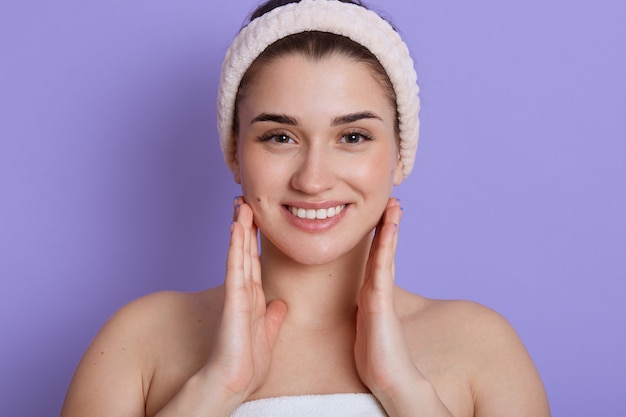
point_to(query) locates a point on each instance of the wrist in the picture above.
(214, 383)
(407, 399)
(203, 395)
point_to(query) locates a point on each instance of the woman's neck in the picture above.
(317, 296)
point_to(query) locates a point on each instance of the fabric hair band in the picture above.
(361, 25)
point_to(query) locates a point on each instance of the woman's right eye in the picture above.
(277, 138)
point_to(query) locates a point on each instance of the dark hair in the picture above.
(314, 45)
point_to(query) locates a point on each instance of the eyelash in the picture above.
(269, 136)
(274, 135)
(359, 133)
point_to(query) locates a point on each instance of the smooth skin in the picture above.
(317, 311)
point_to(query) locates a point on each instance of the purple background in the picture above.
(112, 185)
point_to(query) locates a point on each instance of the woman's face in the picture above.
(317, 155)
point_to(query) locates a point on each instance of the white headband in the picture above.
(352, 21)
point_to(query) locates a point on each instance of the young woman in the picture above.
(318, 121)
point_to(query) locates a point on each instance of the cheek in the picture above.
(384, 167)
(257, 181)
(250, 166)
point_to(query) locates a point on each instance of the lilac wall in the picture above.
(112, 185)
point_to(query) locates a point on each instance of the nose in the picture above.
(315, 170)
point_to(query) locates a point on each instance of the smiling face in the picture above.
(317, 154)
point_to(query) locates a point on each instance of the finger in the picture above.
(236, 203)
(234, 260)
(392, 202)
(245, 219)
(395, 238)
(235, 264)
(254, 254)
(383, 268)
(393, 214)
(388, 215)
(251, 246)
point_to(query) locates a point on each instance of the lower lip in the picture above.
(314, 225)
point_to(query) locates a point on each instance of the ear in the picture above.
(398, 175)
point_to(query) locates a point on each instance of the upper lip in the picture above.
(315, 205)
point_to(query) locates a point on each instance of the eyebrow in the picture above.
(337, 121)
(353, 117)
(278, 118)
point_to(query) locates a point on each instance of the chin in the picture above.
(316, 252)
(312, 258)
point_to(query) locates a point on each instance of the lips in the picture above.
(316, 214)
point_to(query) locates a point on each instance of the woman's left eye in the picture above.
(354, 137)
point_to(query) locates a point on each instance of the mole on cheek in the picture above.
(258, 199)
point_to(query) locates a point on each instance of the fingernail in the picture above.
(232, 224)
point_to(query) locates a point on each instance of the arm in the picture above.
(505, 379)
(109, 379)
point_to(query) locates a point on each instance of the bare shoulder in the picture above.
(476, 329)
(469, 323)
(469, 333)
(129, 358)
(154, 313)
(455, 340)
(159, 318)
(466, 320)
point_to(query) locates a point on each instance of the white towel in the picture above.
(329, 405)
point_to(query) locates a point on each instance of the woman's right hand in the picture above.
(241, 352)
(241, 355)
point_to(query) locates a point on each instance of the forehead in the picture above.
(334, 83)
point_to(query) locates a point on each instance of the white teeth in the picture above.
(319, 214)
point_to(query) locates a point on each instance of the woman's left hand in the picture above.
(380, 350)
(381, 353)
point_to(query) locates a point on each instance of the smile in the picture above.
(316, 214)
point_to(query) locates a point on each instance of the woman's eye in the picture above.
(282, 138)
(354, 137)
(277, 138)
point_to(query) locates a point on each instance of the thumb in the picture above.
(275, 313)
